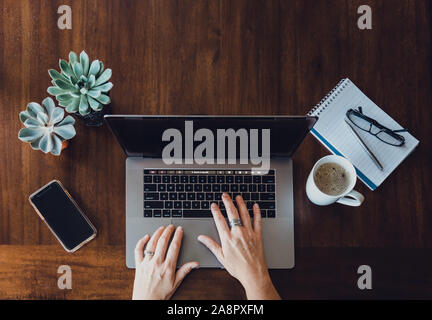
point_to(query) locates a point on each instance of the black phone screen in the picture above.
(61, 214)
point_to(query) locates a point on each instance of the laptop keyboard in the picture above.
(189, 193)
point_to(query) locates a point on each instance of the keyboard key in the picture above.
(207, 187)
(229, 179)
(252, 188)
(268, 179)
(254, 196)
(209, 196)
(168, 204)
(184, 179)
(270, 188)
(173, 196)
(147, 213)
(211, 179)
(205, 205)
(200, 196)
(156, 179)
(220, 179)
(179, 187)
(218, 196)
(267, 196)
(247, 179)
(151, 196)
(157, 213)
(186, 204)
(256, 179)
(177, 204)
(267, 205)
(202, 179)
(196, 205)
(271, 213)
(148, 179)
(238, 179)
(261, 188)
(182, 196)
(153, 204)
(188, 187)
(175, 179)
(176, 213)
(263, 213)
(163, 196)
(225, 187)
(234, 188)
(197, 214)
(246, 196)
(191, 196)
(166, 179)
(243, 188)
(166, 213)
(149, 187)
(193, 179)
(216, 187)
(249, 204)
(198, 187)
(170, 187)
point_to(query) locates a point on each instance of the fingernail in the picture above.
(256, 205)
(196, 266)
(213, 205)
(225, 194)
(179, 228)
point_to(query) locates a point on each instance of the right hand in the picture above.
(241, 251)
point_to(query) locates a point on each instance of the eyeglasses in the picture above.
(375, 128)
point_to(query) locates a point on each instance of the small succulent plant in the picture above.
(46, 128)
(81, 86)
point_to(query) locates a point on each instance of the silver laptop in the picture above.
(177, 166)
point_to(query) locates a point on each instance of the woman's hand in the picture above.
(155, 275)
(241, 251)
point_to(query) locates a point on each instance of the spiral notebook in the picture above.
(332, 131)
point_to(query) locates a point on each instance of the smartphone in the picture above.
(64, 218)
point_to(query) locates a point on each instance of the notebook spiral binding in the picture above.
(320, 107)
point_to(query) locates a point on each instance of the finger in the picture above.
(183, 271)
(151, 245)
(220, 222)
(174, 247)
(162, 244)
(230, 208)
(257, 218)
(244, 213)
(213, 246)
(139, 248)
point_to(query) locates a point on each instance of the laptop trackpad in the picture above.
(192, 249)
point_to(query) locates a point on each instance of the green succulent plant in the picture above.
(81, 86)
(46, 127)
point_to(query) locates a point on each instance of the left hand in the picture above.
(155, 275)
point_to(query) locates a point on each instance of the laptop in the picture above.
(177, 166)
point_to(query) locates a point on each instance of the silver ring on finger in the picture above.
(235, 223)
(148, 253)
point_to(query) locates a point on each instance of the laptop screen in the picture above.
(147, 136)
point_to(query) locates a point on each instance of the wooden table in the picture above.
(219, 57)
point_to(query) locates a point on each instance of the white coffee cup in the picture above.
(349, 197)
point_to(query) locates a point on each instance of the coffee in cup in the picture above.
(332, 179)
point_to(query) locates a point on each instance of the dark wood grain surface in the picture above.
(219, 57)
